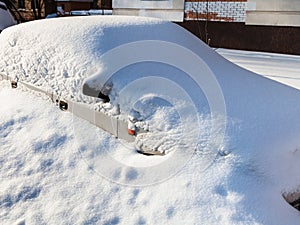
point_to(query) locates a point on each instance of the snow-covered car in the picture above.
(6, 19)
(219, 168)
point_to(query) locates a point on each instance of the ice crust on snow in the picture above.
(49, 159)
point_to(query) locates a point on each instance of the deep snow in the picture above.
(50, 170)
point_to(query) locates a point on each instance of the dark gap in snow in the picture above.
(296, 204)
(293, 198)
(104, 97)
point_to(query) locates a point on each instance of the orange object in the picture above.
(131, 132)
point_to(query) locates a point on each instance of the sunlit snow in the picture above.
(55, 168)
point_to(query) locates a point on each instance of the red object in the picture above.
(131, 132)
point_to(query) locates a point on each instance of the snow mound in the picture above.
(60, 57)
(57, 54)
(245, 129)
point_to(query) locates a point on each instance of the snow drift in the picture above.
(237, 175)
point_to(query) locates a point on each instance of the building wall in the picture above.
(172, 10)
(253, 12)
(225, 10)
(275, 12)
(280, 39)
(238, 24)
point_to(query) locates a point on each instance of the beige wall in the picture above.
(172, 10)
(273, 12)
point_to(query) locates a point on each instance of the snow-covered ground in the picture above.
(51, 163)
(282, 68)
